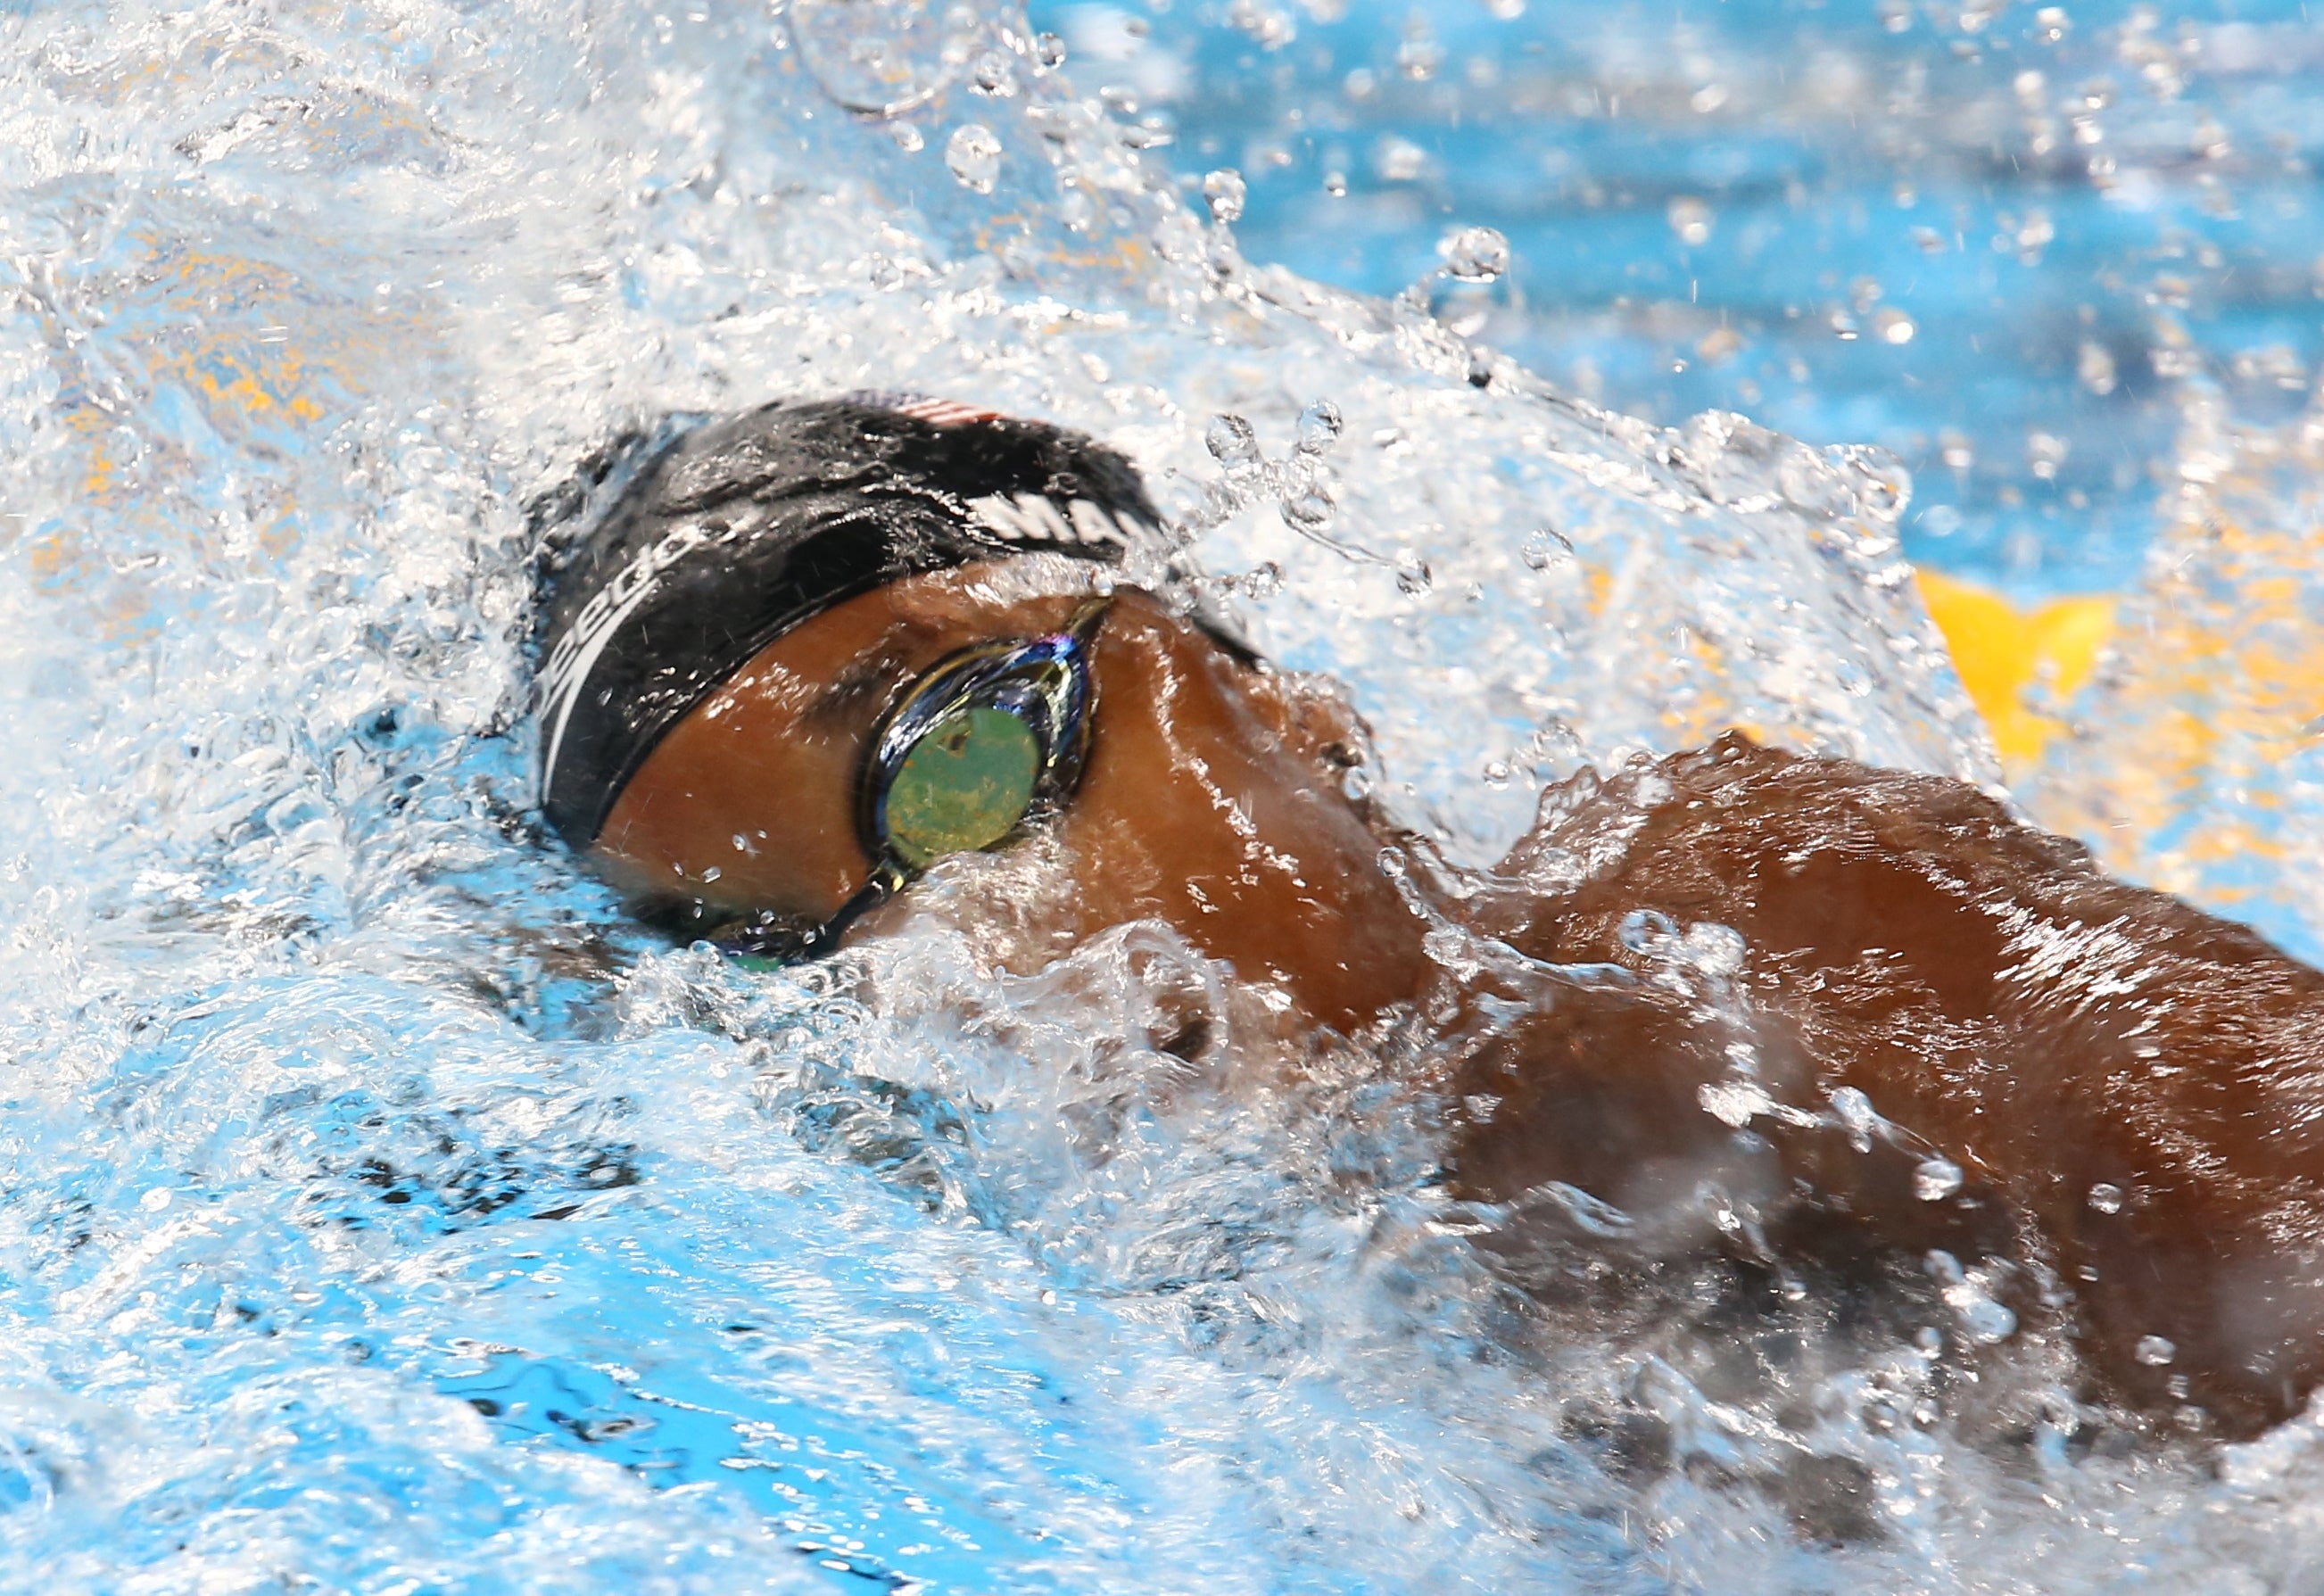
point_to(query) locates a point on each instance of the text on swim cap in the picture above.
(1034, 517)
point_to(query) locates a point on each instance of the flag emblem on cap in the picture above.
(936, 412)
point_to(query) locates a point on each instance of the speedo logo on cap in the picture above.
(1035, 518)
(577, 653)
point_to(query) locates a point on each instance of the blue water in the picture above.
(379, 1210)
(2054, 205)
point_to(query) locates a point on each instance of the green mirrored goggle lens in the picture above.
(964, 786)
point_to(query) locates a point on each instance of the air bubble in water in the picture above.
(994, 74)
(1225, 190)
(1936, 1179)
(1319, 428)
(1412, 574)
(1475, 254)
(1049, 51)
(1546, 547)
(1231, 441)
(973, 153)
(2106, 1197)
(2155, 1350)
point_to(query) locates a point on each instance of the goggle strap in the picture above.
(776, 948)
(887, 879)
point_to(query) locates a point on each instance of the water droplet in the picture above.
(882, 57)
(1231, 441)
(1986, 1321)
(1689, 218)
(713, 874)
(1311, 511)
(1420, 56)
(1412, 574)
(1714, 950)
(1265, 582)
(1647, 930)
(1049, 51)
(994, 74)
(1447, 947)
(2155, 1351)
(1894, 326)
(2093, 368)
(1225, 190)
(973, 153)
(1498, 772)
(1733, 1103)
(1319, 428)
(1399, 161)
(1335, 184)
(2106, 1197)
(1719, 343)
(1475, 254)
(1546, 547)
(2046, 452)
(1936, 1179)
(909, 139)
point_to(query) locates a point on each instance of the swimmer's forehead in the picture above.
(907, 620)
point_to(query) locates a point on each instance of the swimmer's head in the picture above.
(748, 528)
(820, 650)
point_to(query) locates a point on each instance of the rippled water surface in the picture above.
(382, 1211)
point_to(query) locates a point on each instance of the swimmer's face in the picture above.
(1211, 797)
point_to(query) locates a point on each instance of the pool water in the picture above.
(2002, 241)
(381, 1211)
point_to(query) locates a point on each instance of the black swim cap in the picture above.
(748, 527)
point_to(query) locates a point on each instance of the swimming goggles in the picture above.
(980, 746)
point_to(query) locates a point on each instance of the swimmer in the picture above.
(1805, 1012)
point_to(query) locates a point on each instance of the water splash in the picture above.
(387, 1209)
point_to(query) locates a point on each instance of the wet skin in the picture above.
(2001, 1005)
(1210, 800)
